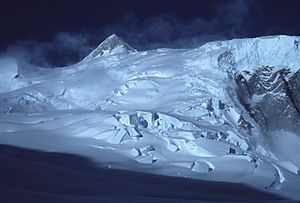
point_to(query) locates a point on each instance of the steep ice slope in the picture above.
(189, 113)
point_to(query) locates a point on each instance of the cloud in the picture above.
(64, 49)
(230, 19)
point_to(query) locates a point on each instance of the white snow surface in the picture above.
(166, 111)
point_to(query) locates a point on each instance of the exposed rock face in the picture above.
(112, 44)
(294, 86)
(272, 96)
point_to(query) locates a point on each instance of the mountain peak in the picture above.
(112, 44)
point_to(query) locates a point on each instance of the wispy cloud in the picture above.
(230, 20)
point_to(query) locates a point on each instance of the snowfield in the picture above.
(175, 112)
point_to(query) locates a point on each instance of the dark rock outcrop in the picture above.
(108, 45)
(272, 97)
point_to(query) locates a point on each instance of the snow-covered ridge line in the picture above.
(252, 53)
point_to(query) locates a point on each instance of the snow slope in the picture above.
(177, 112)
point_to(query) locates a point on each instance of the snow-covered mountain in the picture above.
(113, 44)
(226, 111)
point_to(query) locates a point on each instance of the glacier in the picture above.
(225, 111)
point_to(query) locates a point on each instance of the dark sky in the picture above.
(61, 32)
